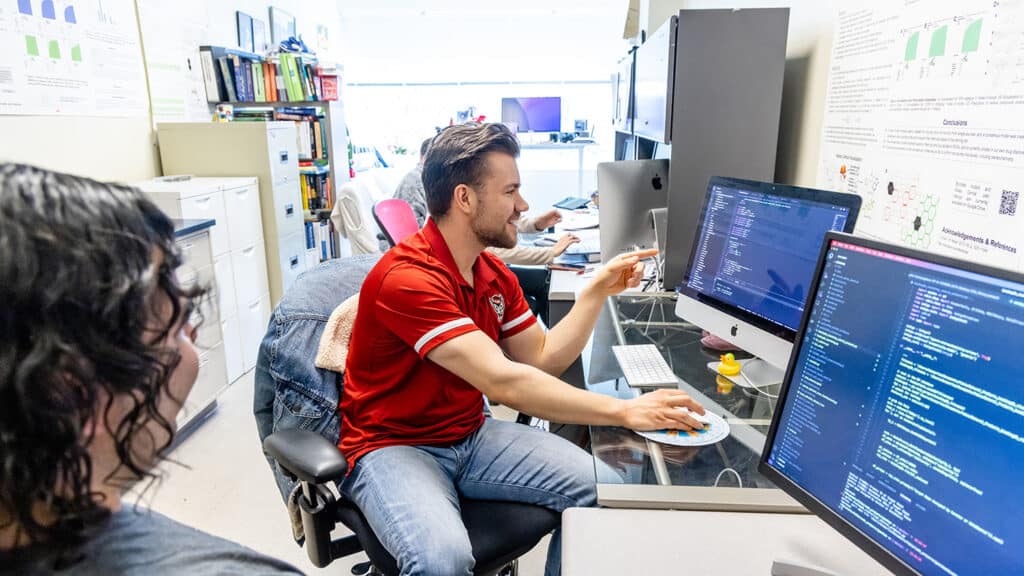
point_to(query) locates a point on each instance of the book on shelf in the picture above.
(218, 78)
(231, 75)
(316, 187)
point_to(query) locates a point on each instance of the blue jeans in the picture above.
(410, 494)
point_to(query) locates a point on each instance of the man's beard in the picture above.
(491, 238)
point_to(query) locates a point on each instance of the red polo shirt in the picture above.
(412, 301)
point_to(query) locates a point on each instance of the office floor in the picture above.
(218, 481)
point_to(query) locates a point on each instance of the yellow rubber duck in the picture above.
(728, 366)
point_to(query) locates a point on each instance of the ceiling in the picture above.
(406, 41)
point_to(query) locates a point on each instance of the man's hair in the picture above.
(456, 156)
(83, 265)
(425, 146)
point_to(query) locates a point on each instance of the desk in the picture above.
(597, 542)
(721, 477)
(567, 146)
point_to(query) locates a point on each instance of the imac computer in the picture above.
(752, 263)
(629, 190)
(901, 418)
(543, 114)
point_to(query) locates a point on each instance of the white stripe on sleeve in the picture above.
(513, 323)
(440, 330)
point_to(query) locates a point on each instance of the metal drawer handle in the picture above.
(289, 209)
(294, 261)
(284, 155)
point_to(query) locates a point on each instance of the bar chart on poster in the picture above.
(73, 57)
(924, 119)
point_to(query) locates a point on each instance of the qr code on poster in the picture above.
(1008, 205)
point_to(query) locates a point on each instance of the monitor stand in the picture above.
(786, 568)
(755, 374)
(761, 375)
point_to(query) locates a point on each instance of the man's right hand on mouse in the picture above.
(659, 410)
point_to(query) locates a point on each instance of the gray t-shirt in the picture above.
(140, 541)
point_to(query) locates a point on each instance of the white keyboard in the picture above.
(644, 367)
(584, 247)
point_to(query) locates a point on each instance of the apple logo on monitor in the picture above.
(656, 182)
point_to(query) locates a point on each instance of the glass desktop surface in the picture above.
(732, 463)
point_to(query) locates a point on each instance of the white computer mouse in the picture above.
(703, 418)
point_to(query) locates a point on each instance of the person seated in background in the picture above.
(441, 323)
(410, 188)
(96, 358)
(534, 281)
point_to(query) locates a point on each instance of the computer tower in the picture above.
(726, 104)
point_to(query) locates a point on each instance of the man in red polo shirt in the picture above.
(441, 323)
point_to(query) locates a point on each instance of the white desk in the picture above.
(607, 541)
(567, 146)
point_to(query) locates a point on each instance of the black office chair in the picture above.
(296, 409)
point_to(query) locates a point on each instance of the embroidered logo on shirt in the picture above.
(498, 303)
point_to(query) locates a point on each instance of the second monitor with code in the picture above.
(752, 263)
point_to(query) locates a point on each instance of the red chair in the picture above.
(396, 219)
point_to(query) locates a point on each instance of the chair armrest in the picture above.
(307, 455)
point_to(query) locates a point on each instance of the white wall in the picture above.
(124, 149)
(481, 40)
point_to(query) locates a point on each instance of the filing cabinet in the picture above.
(238, 262)
(266, 150)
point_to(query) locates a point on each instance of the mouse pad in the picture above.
(714, 431)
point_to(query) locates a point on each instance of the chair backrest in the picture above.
(290, 391)
(352, 217)
(396, 218)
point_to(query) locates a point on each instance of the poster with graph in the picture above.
(924, 119)
(73, 57)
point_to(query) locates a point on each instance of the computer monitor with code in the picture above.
(752, 264)
(901, 417)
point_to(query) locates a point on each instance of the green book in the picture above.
(257, 82)
(295, 92)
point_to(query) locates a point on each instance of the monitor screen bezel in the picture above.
(851, 202)
(808, 500)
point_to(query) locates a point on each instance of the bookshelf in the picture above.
(332, 156)
(295, 88)
(323, 164)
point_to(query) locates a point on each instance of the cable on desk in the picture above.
(734, 473)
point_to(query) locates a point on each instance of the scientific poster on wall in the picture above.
(172, 32)
(73, 57)
(924, 119)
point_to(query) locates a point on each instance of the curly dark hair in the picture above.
(456, 156)
(83, 265)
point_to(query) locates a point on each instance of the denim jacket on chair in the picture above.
(290, 391)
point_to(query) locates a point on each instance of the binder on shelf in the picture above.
(293, 82)
(227, 78)
(282, 94)
(212, 81)
(324, 233)
(257, 73)
(250, 86)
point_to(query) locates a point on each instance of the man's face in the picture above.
(499, 203)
